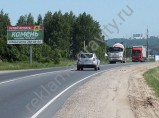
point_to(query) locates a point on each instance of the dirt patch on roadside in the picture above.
(143, 102)
(119, 93)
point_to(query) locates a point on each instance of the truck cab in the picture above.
(138, 53)
(116, 53)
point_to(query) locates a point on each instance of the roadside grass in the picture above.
(103, 62)
(37, 65)
(152, 79)
(128, 59)
(34, 65)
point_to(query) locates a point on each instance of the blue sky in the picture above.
(145, 13)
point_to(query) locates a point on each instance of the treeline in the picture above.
(64, 37)
(153, 42)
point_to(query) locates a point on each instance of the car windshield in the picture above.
(86, 55)
(115, 49)
(136, 52)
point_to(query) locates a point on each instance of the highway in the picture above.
(41, 93)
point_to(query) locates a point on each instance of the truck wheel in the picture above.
(81, 68)
(78, 68)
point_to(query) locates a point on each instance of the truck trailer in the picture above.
(138, 53)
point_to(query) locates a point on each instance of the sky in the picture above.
(117, 18)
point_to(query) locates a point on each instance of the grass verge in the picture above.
(152, 79)
(34, 65)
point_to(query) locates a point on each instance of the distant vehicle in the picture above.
(138, 53)
(88, 60)
(116, 53)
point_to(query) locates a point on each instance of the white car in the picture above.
(88, 60)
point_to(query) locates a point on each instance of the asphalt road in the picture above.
(40, 93)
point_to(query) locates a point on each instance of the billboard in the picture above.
(25, 34)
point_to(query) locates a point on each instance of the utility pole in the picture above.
(105, 43)
(125, 52)
(147, 36)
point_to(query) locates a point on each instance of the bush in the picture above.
(57, 56)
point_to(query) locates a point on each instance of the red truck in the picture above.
(138, 53)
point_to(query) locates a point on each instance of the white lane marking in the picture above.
(50, 102)
(20, 78)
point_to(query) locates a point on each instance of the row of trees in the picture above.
(64, 37)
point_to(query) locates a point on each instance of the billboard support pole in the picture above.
(31, 54)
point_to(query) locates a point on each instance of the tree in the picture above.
(5, 21)
(22, 20)
(30, 19)
(40, 20)
(70, 20)
(48, 27)
(59, 28)
(57, 56)
(87, 30)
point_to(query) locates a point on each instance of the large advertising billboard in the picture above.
(25, 34)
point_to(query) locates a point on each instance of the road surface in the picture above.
(41, 93)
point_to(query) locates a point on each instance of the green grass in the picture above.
(34, 65)
(152, 79)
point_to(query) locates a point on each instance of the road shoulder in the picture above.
(118, 93)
